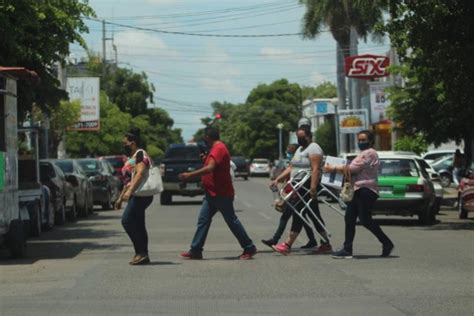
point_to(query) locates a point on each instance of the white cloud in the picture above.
(161, 2)
(286, 55)
(139, 43)
(317, 78)
(221, 85)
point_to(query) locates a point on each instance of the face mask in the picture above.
(302, 142)
(131, 161)
(127, 149)
(289, 156)
(363, 146)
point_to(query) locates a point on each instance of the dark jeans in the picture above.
(361, 206)
(133, 220)
(282, 225)
(210, 206)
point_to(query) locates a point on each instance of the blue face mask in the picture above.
(289, 156)
(363, 146)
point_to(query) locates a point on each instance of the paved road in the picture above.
(82, 268)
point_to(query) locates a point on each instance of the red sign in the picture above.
(366, 66)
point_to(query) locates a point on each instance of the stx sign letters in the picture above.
(366, 66)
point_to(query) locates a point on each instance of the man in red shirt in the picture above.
(219, 196)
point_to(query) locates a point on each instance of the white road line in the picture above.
(264, 215)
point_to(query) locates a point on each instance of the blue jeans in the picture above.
(133, 220)
(210, 206)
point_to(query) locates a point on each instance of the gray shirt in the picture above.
(301, 160)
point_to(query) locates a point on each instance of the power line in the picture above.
(194, 34)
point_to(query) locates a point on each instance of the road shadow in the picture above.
(45, 250)
(467, 224)
(365, 257)
(160, 263)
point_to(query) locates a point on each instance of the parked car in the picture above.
(81, 186)
(260, 167)
(242, 169)
(444, 166)
(47, 214)
(117, 163)
(62, 195)
(105, 185)
(180, 158)
(435, 179)
(433, 155)
(278, 168)
(466, 194)
(404, 188)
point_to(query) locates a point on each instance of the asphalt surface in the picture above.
(82, 268)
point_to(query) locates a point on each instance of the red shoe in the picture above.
(282, 248)
(190, 256)
(248, 254)
(323, 249)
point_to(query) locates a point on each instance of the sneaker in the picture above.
(248, 254)
(282, 248)
(268, 242)
(309, 245)
(140, 260)
(387, 250)
(342, 254)
(190, 256)
(323, 249)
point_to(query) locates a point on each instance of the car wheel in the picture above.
(165, 198)
(50, 223)
(35, 221)
(84, 210)
(107, 205)
(246, 178)
(427, 216)
(60, 216)
(17, 239)
(445, 180)
(72, 214)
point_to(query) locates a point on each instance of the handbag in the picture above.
(151, 184)
(347, 192)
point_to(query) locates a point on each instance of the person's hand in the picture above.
(184, 176)
(126, 196)
(274, 183)
(313, 191)
(203, 156)
(118, 204)
(328, 168)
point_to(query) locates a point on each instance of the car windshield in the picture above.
(239, 160)
(443, 162)
(115, 162)
(66, 166)
(89, 165)
(186, 153)
(398, 167)
(260, 161)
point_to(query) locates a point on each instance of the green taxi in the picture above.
(405, 188)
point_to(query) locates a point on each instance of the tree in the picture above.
(435, 41)
(37, 34)
(325, 136)
(326, 90)
(416, 144)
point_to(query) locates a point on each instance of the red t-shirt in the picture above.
(218, 182)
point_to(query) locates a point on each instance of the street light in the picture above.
(280, 127)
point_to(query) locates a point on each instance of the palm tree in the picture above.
(342, 17)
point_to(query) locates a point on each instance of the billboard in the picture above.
(366, 66)
(378, 102)
(352, 121)
(87, 91)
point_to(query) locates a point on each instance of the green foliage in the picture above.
(416, 144)
(325, 90)
(326, 138)
(435, 42)
(37, 34)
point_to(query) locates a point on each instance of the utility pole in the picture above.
(104, 58)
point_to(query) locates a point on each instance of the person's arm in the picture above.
(209, 168)
(315, 164)
(282, 177)
(136, 180)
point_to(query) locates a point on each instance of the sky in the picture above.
(190, 72)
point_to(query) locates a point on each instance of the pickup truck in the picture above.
(180, 158)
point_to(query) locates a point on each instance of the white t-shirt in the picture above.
(301, 159)
(233, 167)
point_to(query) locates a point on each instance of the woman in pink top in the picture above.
(364, 170)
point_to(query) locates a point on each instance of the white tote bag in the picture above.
(151, 183)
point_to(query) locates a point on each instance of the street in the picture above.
(82, 268)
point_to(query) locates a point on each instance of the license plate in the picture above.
(386, 190)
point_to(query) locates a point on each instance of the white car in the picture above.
(260, 167)
(433, 155)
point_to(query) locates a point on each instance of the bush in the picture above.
(416, 143)
(326, 138)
